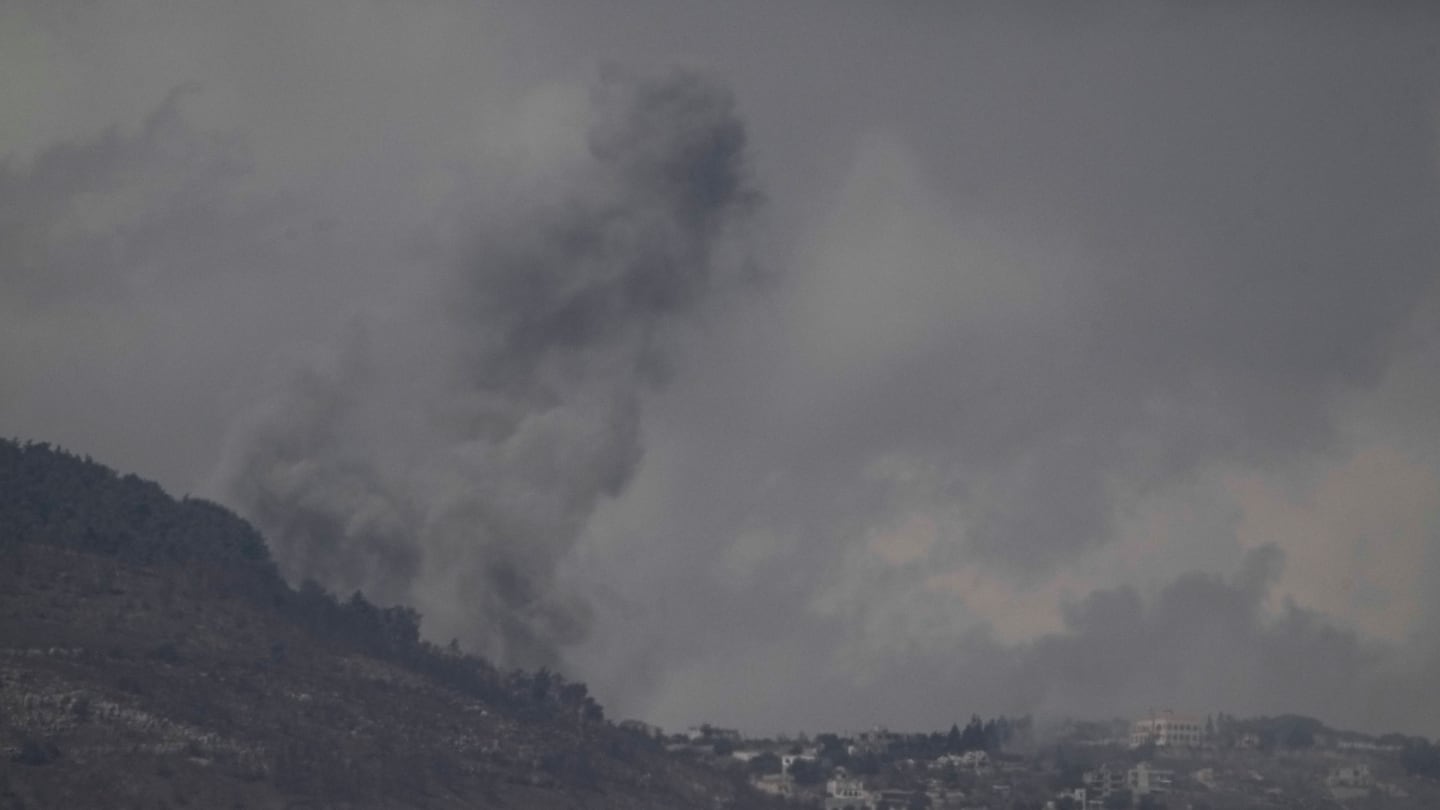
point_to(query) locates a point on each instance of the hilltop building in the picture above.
(642, 728)
(1168, 730)
(709, 733)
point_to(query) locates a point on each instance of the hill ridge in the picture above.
(152, 655)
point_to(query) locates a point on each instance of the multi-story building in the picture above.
(1105, 780)
(1144, 779)
(1141, 780)
(844, 793)
(1168, 730)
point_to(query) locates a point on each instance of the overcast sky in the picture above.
(788, 366)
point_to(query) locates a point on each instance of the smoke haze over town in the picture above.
(786, 366)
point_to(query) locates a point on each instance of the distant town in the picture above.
(1166, 759)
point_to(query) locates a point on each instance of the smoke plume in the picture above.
(453, 465)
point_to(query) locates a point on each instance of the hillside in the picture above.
(151, 656)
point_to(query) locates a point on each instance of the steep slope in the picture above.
(151, 656)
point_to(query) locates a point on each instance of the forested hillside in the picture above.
(151, 655)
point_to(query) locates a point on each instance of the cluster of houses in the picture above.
(846, 791)
(1101, 783)
(882, 770)
(1175, 731)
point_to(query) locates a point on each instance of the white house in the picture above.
(978, 760)
(845, 793)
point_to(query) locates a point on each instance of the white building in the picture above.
(1141, 780)
(1351, 776)
(776, 784)
(1105, 780)
(1144, 779)
(786, 760)
(977, 760)
(844, 793)
(1368, 745)
(709, 733)
(1168, 730)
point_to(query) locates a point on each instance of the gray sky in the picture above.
(783, 366)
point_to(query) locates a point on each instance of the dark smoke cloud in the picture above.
(460, 476)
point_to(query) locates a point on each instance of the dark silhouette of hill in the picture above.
(152, 656)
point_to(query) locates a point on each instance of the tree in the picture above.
(1421, 758)
(866, 764)
(766, 763)
(833, 749)
(35, 752)
(973, 737)
(573, 695)
(400, 626)
(991, 734)
(1298, 736)
(806, 772)
(1119, 800)
(540, 684)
